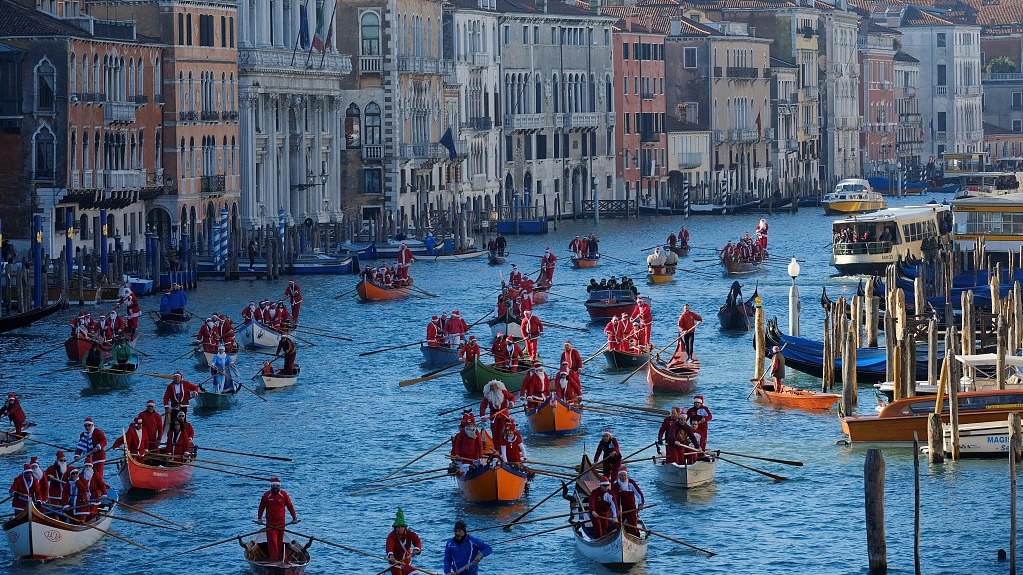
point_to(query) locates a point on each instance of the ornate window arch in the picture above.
(44, 153)
(373, 135)
(369, 29)
(45, 86)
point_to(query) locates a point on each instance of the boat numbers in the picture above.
(53, 535)
(1004, 406)
(160, 474)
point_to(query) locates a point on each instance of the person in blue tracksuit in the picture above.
(463, 552)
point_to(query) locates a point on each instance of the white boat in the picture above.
(295, 561)
(255, 335)
(892, 233)
(503, 326)
(616, 550)
(203, 358)
(993, 218)
(686, 476)
(987, 439)
(9, 445)
(278, 381)
(853, 196)
(32, 536)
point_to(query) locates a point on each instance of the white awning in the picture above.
(988, 359)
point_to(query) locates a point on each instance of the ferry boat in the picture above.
(998, 219)
(853, 196)
(890, 233)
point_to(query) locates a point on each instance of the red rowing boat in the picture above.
(553, 416)
(135, 474)
(676, 376)
(77, 347)
(369, 291)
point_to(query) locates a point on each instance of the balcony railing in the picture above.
(372, 152)
(647, 95)
(119, 113)
(967, 91)
(649, 137)
(209, 116)
(651, 171)
(232, 115)
(158, 99)
(284, 59)
(87, 180)
(371, 64)
(524, 121)
(479, 182)
(141, 99)
(214, 184)
(481, 60)
(187, 116)
(478, 124)
(720, 137)
(412, 65)
(76, 179)
(847, 122)
(941, 90)
(742, 72)
(812, 130)
(941, 136)
(975, 135)
(116, 180)
(689, 160)
(423, 151)
(910, 91)
(768, 133)
(584, 120)
(741, 136)
(810, 93)
(790, 145)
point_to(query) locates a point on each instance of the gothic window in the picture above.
(370, 24)
(373, 137)
(353, 137)
(46, 77)
(73, 73)
(44, 152)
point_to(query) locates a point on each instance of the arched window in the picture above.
(44, 151)
(73, 75)
(97, 86)
(73, 151)
(46, 78)
(538, 106)
(373, 136)
(140, 87)
(83, 227)
(353, 137)
(370, 28)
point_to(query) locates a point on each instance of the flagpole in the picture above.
(312, 41)
(330, 32)
(298, 39)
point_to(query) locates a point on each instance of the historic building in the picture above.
(909, 138)
(878, 139)
(840, 78)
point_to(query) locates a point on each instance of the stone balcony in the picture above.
(525, 121)
(583, 120)
(119, 113)
(371, 64)
(286, 60)
(115, 180)
(689, 160)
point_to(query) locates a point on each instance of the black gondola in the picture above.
(19, 320)
(171, 323)
(735, 314)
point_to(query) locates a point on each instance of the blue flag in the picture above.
(448, 141)
(303, 27)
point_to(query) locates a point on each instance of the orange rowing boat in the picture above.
(370, 291)
(498, 485)
(798, 398)
(553, 415)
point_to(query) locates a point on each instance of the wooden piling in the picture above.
(968, 337)
(872, 305)
(932, 352)
(916, 505)
(919, 309)
(857, 320)
(827, 363)
(1000, 343)
(908, 343)
(873, 503)
(1014, 448)
(953, 396)
(889, 346)
(849, 391)
(935, 438)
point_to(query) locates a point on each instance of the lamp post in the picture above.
(793, 270)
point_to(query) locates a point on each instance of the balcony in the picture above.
(767, 73)
(373, 153)
(768, 134)
(847, 122)
(232, 115)
(941, 136)
(119, 180)
(812, 130)
(742, 136)
(689, 160)
(720, 137)
(807, 31)
(481, 60)
(141, 99)
(910, 91)
(371, 64)
(525, 121)
(275, 59)
(649, 137)
(974, 136)
(783, 108)
(967, 91)
(410, 65)
(584, 120)
(909, 117)
(482, 124)
(809, 93)
(479, 182)
(119, 113)
(187, 116)
(158, 99)
(76, 180)
(941, 90)
(87, 180)
(788, 145)
(209, 116)
(213, 186)
(743, 73)
(423, 151)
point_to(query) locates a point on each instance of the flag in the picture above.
(330, 33)
(303, 27)
(321, 33)
(448, 141)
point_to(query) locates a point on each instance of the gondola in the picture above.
(620, 359)
(142, 476)
(438, 355)
(371, 291)
(616, 550)
(296, 556)
(553, 416)
(735, 314)
(675, 376)
(203, 357)
(169, 324)
(34, 536)
(607, 303)
(476, 375)
(20, 320)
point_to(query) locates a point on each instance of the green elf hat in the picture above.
(399, 519)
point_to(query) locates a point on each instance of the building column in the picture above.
(262, 23)
(289, 171)
(278, 23)
(247, 141)
(333, 113)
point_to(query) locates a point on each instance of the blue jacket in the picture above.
(458, 555)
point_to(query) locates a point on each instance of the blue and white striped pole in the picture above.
(37, 260)
(282, 218)
(216, 245)
(224, 232)
(69, 246)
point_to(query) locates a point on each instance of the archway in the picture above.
(158, 221)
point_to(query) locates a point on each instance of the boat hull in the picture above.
(798, 398)
(214, 401)
(297, 557)
(625, 360)
(671, 378)
(476, 375)
(369, 291)
(76, 348)
(493, 485)
(19, 320)
(685, 476)
(605, 304)
(741, 267)
(140, 476)
(34, 537)
(11, 447)
(842, 207)
(554, 416)
(107, 378)
(980, 439)
(617, 550)
(505, 325)
(436, 356)
(585, 262)
(277, 381)
(495, 260)
(255, 335)
(661, 278)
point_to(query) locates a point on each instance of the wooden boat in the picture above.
(741, 266)
(618, 359)
(278, 380)
(369, 291)
(76, 348)
(170, 323)
(541, 294)
(553, 416)
(110, 377)
(296, 556)
(438, 355)
(20, 320)
(616, 550)
(136, 474)
(255, 335)
(675, 376)
(990, 439)
(899, 420)
(476, 376)
(798, 398)
(495, 259)
(32, 536)
(735, 314)
(466, 255)
(605, 303)
(508, 325)
(686, 476)
(203, 358)
(660, 274)
(853, 196)
(486, 485)
(585, 262)
(209, 400)
(680, 251)
(10, 443)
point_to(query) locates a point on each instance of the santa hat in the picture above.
(34, 460)
(435, 318)
(537, 364)
(564, 363)
(27, 468)
(151, 402)
(607, 431)
(178, 373)
(10, 395)
(88, 461)
(72, 471)
(604, 480)
(568, 341)
(513, 265)
(291, 281)
(527, 312)
(698, 398)
(472, 338)
(622, 470)
(468, 419)
(139, 420)
(547, 250)
(88, 421)
(275, 481)
(499, 334)
(454, 313)
(60, 454)
(252, 302)
(399, 519)
(775, 349)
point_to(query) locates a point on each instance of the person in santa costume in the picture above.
(499, 349)
(77, 504)
(135, 440)
(547, 263)
(467, 444)
(55, 481)
(12, 409)
(532, 329)
(609, 454)
(514, 352)
(274, 503)
(514, 276)
(612, 331)
(645, 317)
(434, 333)
(177, 395)
(470, 351)
(571, 356)
(97, 487)
(630, 500)
(510, 445)
(455, 328)
(567, 387)
(25, 488)
(699, 416)
(294, 295)
(499, 402)
(535, 385)
(287, 347)
(152, 422)
(92, 443)
(402, 545)
(404, 261)
(603, 509)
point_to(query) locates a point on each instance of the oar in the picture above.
(341, 295)
(37, 356)
(207, 546)
(490, 313)
(572, 467)
(248, 389)
(618, 260)
(319, 334)
(526, 255)
(74, 521)
(210, 461)
(680, 542)
(274, 457)
(565, 526)
(599, 351)
(365, 353)
(443, 413)
(28, 438)
(68, 368)
(139, 351)
(407, 475)
(352, 549)
(558, 474)
(149, 513)
(549, 324)
(431, 375)
(146, 523)
(635, 407)
(399, 484)
(652, 356)
(756, 385)
(771, 459)
(422, 291)
(760, 471)
(235, 473)
(626, 414)
(422, 455)
(187, 353)
(302, 339)
(159, 375)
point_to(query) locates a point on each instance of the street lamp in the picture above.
(793, 270)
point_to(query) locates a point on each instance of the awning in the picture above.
(988, 359)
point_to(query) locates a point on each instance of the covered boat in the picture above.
(438, 355)
(585, 262)
(867, 244)
(798, 398)
(33, 536)
(18, 320)
(136, 474)
(476, 375)
(554, 416)
(618, 549)
(256, 335)
(620, 359)
(853, 196)
(686, 476)
(371, 291)
(170, 323)
(607, 303)
(675, 376)
(296, 556)
(735, 314)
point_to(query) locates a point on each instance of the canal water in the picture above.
(348, 422)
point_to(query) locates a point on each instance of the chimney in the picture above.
(676, 28)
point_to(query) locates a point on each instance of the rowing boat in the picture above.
(76, 347)
(438, 355)
(616, 550)
(370, 291)
(661, 274)
(296, 556)
(138, 475)
(585, 262)
(553, 416)
(676, 376)
(203, 357)
(687, 476)
(210, 400)
(256, 335)
(621, 359)
(25, 319)
(605, 303)
(507, 324)
(11, 443)
(109, 376)
(500, 484)
(476, 375)
(279, 380)
(32, 536)
(170, 323)
(798, 398)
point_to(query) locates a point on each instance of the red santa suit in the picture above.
(178, 443)
(613, 331)
(294, 294)
(467, 444)
(455, 328)
(567, 387)
(642, 313)
(24, 488)
(400, 548)
(12, 409)
(274, 504)
(532, 329)
(535, 384)
(434, 333)
(249, 312)
(55, 481)
(470, 351)
(603, 508)
(404, 260)
(93, 444)
(282, 320)
(132, 315)
(514, 352)
(77, 504)
(514, 277)
(207, 336)
(699, 415)
(547, 263)
(178, 394)
(511, 448)
(499, 402)
(152, 423)
(761, 233)
(136, 441)
(499, 349)
(630, 499)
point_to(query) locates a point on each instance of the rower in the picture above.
(402, 545)
(466, 445)
(603, 508)
(499, 401)
(294, 294)
(12, 409)
(275, 502)
(25, 488)
(287, 347)
(532, 329)
(630, 500)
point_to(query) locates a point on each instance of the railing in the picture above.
(790, 145)
(209, 116)
(481, 124)
(187, 116)
(232, 115)
(768, 133)
(481, 60)
(525, 121)
(737, 135)
(742, 72)
(648, 171)
(847, 122)
(974, 135)
(807, 31)
(861, 248)
(213, 184)
(767, 72)
(75, 179)
(278, 59)
(967, 91)
(114, 180)
(373, 152)
(910, 91)
(810, 93)
(119, 113)
(141, 99)
(812, 130)
(158, 99)
(610, 119)
(157, 178)
(371, 64)
(584, 120)
(689, 160)
(646, 95)
(941, 136)
(479, 182)
(941, 90)
(720, 137)
(1004, 76)
(423, 151)
(419, 65)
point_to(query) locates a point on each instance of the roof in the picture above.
(554, 8)
(1001, 200)
(914, 16)
(996, 130)
(777, 63)
(901, 56)
(870, 27)
(19, 21)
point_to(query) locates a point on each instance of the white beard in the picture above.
(470, 433)
(623, 485)
(495, 397)
(38, 473)
(62, 467)
(88, 473)
(222, 355)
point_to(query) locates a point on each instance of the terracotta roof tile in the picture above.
(17, 20)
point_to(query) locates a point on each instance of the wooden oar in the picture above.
(74, 521)
(599, 351)
(68, 368)
(680, 542)
(558, 474)
(565, 526)
(618, 260)
(548, 518)
(431, 375)
(652, 356)
(302, 339)
(211, 462)
(207, 546)
(139, 351)
(352, 549)
(146, 523)
(399, 484)
(549, 324)
(37, 356)
(744, 466)
(341, 295)
(420, 456)
(248, 389)
(274, 457)
(235, 473)
(572, 467)
(151, 514)
(365, 353)
(29, 438)
(635, 407)
(473, 404)
(319, 334)
(490, 313)
(756, 385)
(407, 475)
(620, 413)
(771, 459)
(159, 375)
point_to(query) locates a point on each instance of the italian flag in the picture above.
(322, 38)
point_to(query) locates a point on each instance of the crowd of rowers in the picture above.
(394, 275)
(68, 493)
(585, 247)
(612, 283)
(105, 328)
(631, 332)
(748, 248)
